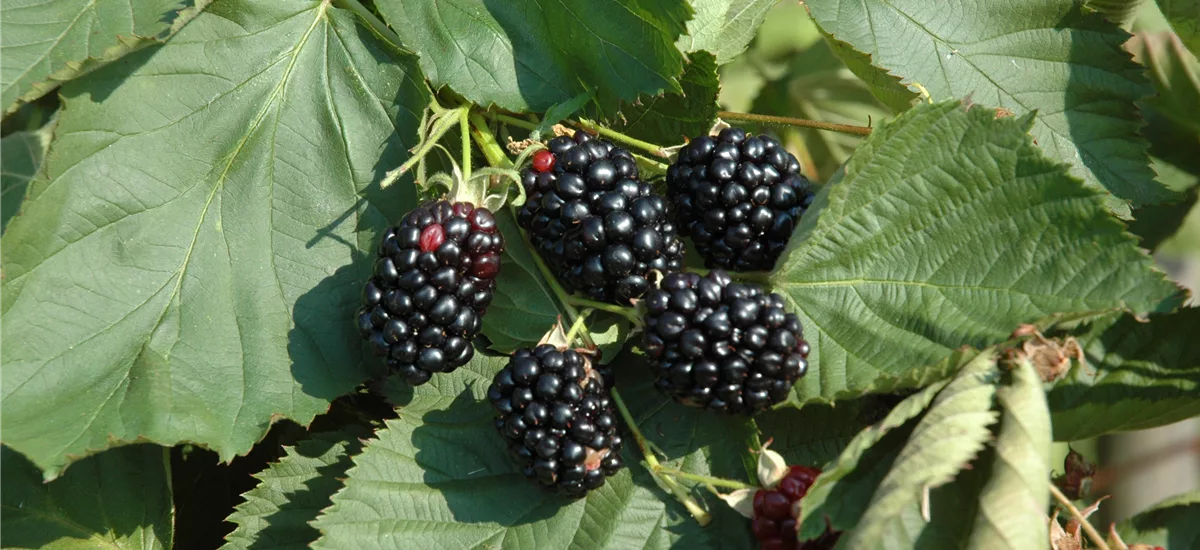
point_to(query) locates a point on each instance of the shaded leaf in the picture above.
(818, 86)
(1170, 523)
(1121, 12)
(439, 477)
(1048, 57)
(117, 499)
(1184, 16)
(1013, 503)
(817, 433)
(1175, 73)
(723, 27)
(673, 117)
(1157, 223)
(293, 491)
(48, 43)
(221, 273)
(886, 87)
(523, 56)
(923, 244)
(525, 307)
(22, 156)
(1138, 375)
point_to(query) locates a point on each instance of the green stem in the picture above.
(714, 481)
(513, 121)
(577, 326)
(487, 143)
(622, 138)
(464, 127)
(628, 313)
(680, 494)
(798, 122)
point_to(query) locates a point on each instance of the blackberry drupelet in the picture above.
(433, 280)
(555, 413)
(738, 197)
(726, 346)
(776, 510)
(599, 228)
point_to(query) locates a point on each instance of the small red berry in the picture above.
(776, 506)
(432, 237)
(543, 161)
(463, 209)
(764, 528)
(758, 501)
(779, 544)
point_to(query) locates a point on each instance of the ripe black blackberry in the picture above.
(433, 280)
(599, 228)
(738, 197)
(726, 346)
(555, 412)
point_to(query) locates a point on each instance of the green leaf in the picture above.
(673, 117)
(840, 493)
(1138, 375)
(884, 86)
(439, 477)
(1012, 505)
(1184, 16)
(22, 153)
(944, 440)
(949, 228)
(818, 86)
(292, 492)
(1047, 57)
(817, 433)
(1170, 523)
(723, 27)
(189, 261)
(1157, 223)
(1121, 12)
(117, 499)
(48, 43)
(523, 56)
(1175, 73)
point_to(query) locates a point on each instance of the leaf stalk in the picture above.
(797, 122)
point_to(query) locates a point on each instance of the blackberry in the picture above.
(738, 197)
(599, 228)
(433, 279)
(555, 412)
(776, 510)
(726, 346)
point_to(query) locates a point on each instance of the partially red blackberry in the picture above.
(598, 227)
(738, 197)
(555, 411)
(726, 346)
(776, 510)
(433, 280)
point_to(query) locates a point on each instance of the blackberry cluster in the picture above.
(738, 197)
(726, 346)
(776, 510)
(433, 280)
(554, 410)
(599, 228)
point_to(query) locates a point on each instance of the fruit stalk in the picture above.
(707, 480)
(798, 122)
(622, 138)
(702, 517)
(1088, 528)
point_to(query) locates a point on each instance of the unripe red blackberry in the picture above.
(738, 197)
(434, 276)
(599, 228)
(725, 346)
(555, 412)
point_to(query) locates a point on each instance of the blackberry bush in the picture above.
(726, 346)
(433, 279)
(738, 197)
(554, 410)
(600, 229)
